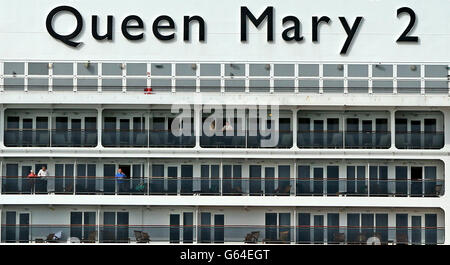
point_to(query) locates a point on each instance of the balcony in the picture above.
(249, 139)
(339, 139)
(223, 187)
(165, 138)
(272, 234)
(50, 138)
(125, 138)
(145, 138)
(419, 140)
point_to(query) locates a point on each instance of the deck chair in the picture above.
(50, 238)
(91, 237)
(339, 237)
(402, 239)
(286, 190)
(252, 237)
(141, 237)
(284, 237)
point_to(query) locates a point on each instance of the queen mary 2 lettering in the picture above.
(164, 27)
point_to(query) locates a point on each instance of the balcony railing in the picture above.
(273, 234)
(50, 138)
(145, 138)
(419, 140)
(164, 138)
(223, 187)
(339, 139)
(248, 139)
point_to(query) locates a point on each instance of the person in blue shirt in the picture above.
(121, 180)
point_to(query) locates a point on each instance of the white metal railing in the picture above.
(225, 77)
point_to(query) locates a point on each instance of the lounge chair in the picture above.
(141, 237)
(339, 237)
(50, 238)
(91, 237)
(252, 237)
(286, 190)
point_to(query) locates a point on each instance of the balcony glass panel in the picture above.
(235, 85)
(408, 87)
(165, 138)
(87, 68)
(14, 84)
(210, 69)
(74, 138)
(325, 139)
(14, 68)
(234, 70)
(111, 69)
(62, 84)
(27, 138)
(38, 68)
(308, 86)
(37, 84)
(284, 85)
(134, 84)
(436, 87)
(419, 140)
(62, 68)
(125, 138)
(358, 70)
(382, 70)
(358, 86)
(87, 84)
(161, 85)
(408, 70)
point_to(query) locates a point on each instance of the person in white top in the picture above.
(43, 172)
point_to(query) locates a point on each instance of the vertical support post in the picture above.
(392, 122)
(50, 128)
(445, 130)
(148, 176)
(99, 126)
(97, 221)
(1, 228)
(197, 124)
(147, 126)
(294, 129)
(1, 181)
(294, 184)
(295, 221)
(221, 177)
(2, 126)
(445, 203)
(195, 225)
(74, 178)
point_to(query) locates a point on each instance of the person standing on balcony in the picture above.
(43, 174)
(227, 133)
(32, 180)
(121, 180)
